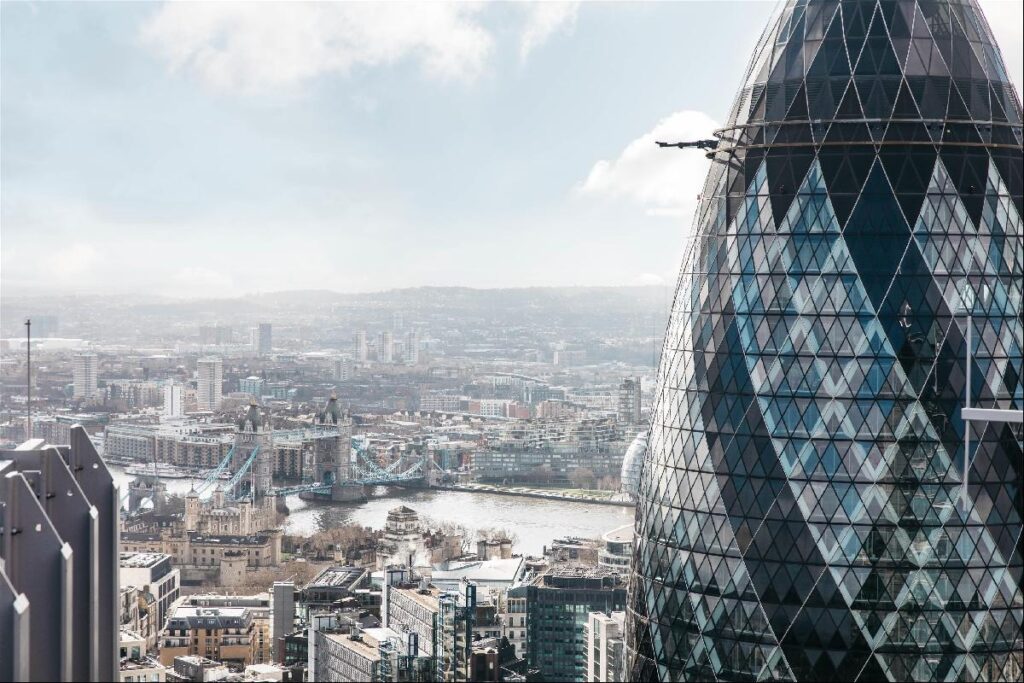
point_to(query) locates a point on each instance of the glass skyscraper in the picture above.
(802, 507)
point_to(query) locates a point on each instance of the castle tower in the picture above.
(803, 511)
(246, 527)
(192, 509)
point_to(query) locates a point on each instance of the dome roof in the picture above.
(632, 464)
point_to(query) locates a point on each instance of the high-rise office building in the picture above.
(557, 605)
(630, 400)
(45, 326)
(386, 348)
(283, 616)
(361, 347)
(59, 564)
(84, 370)
(805, 512)
(252, 385)
(412, 348)
(342, 369)
(264, 339)
(174, 399)
(209, 385)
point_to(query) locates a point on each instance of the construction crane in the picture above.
(710, 145)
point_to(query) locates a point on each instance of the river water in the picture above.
(534, 521)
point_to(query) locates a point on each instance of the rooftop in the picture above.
(186, 616)
(368, 648)
(573, 542)
(227, 539)
(190, 611)
(428, 599)
(581, 570)
(195, 659)
(147, 662)
(581, 577)
(142, 560)
(224, 600)
(624, 534)
(130, 636)
(335, 577)
(480, 570)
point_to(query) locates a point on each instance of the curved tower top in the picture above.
(893, 74)
(813, 504)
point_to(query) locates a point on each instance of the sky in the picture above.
(219, 149)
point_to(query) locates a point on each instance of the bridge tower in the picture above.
(255, 431)
(332, 455)
(331, 452)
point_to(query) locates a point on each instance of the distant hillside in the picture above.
(596, 308)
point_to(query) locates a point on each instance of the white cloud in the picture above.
(257, 47)
(1006, 17)
(543, 20)
(71, 262)
(663, 181)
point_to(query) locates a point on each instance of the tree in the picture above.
(495, 533)
(299, 571)
(449, 528)
(582, 477)
(539, 474)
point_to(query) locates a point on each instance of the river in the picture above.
(535, 522)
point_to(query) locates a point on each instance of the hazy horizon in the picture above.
(30, 296)
(219, 150)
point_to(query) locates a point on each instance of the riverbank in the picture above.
(535, 521)
(594, 497)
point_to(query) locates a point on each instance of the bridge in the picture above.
(369, 473)
(236, 478)
(365, 472)
(213, 475)
(315, 487)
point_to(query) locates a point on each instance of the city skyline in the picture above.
(350, 341)
(482, 146)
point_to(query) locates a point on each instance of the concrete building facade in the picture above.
(605, 647)
(209, 383)
(85, 373)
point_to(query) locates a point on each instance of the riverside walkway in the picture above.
(595, 497)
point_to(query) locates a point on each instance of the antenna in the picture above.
(28, 376)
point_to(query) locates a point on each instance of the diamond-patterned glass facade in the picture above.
(802, 512)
